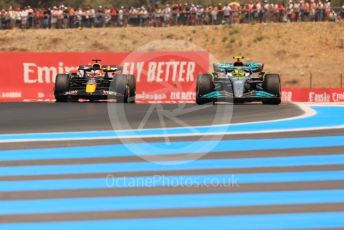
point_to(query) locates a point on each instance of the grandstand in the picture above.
(49, 14)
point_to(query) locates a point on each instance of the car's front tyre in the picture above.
(62, 85)
(120, 86)
(204, 86)
(132, 88)
(272, 85)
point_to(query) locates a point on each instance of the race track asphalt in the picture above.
(60, 117)
(248, 181)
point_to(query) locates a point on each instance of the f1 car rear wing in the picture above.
(111, 68)
(228, 66)
(105, 68)
(85, 67)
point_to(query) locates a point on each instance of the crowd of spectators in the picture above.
(62, 17)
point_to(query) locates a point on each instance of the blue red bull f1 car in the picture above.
(95, 82)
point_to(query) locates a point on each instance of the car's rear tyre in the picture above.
(204, 86)
(272, 84)
(238, 101)
(59, 99)
(73, 99)
(120, 86)
(62, 85)
(132, 88)
(272, 101)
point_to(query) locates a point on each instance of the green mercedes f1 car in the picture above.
(238, 82)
